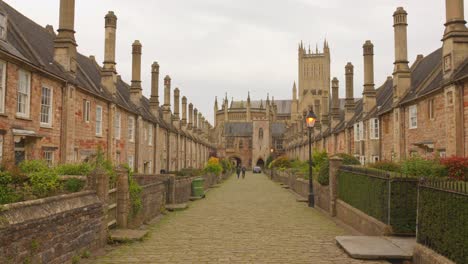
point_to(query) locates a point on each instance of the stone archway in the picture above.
(236, 161)
(260, 163)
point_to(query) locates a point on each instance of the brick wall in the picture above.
(50, 136)
(51, 230)
(465, 116)
(183, 190)
(153, 199)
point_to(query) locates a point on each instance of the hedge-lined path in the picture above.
(244, 221)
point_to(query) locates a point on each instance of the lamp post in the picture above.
(271, 170)
(310, 122)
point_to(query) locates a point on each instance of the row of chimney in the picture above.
(65, 53)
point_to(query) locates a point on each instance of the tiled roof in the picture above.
(238, 129)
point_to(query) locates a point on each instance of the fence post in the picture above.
(123, 198)
(335, 163)
(100, 182)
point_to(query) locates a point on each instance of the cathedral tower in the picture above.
(314, 79)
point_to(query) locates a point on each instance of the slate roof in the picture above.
(238, 129)
(278, 129)
(284, 106)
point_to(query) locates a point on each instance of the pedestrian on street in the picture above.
(238, 171)
(243, 172)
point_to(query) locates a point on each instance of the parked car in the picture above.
(257, 169)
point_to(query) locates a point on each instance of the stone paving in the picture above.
(244, 221)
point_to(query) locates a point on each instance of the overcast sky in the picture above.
(210, 47)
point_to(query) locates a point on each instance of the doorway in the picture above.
(260, 163)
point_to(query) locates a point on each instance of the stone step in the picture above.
(176, 207)
(302, 200)
(127, 235)
(196, 198)
(377, 247)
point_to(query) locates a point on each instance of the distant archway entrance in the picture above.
(260, 163)
(236, 161)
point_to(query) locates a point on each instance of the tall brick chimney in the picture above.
(184, 111)
(369, 93)
(349, 105)
(154, 100)
(65, 44)
(109, 72)
(135, 88)
(455, 47)
(401, 72)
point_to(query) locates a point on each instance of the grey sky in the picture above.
(210, 47)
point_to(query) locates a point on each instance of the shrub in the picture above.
(188, 172)
(213, 168)
(7, 193)
(73, 185)
(419, 167)
(324, 174)
(29, 166)
(74, 169)
(281, 163)
(226, 164)
(386, 166)
(319, 157)
(135, 191)
(348, 159)
(44, 182)
(268, 161)
(457, 167)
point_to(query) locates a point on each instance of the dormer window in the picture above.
(3, 26)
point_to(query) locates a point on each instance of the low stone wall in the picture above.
(182, 189)
(360, 221)
(424, 255)
(322, 196)
(51, 230)
(153, 198)
(210, 180)
(301, 187)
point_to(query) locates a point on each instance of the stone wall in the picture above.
(322, 196)
(182, 189)
(51, 230)
(360, 221)
(210, 180)
(423, 255)
(153, 198)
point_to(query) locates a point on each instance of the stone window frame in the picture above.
(413, 116)
(374, 128)
(118, 125)
(86, 110)
(150, 135)
(23, 94)
(131, 162)
(99, 120)
(3, 67)
(42, 114)
(3, 26)
(430, 108)
(131, 129)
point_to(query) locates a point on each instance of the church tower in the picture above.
(314, 79)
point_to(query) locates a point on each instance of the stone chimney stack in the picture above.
(176, 103)
(109, 72)
(167, 99)
(154, 100)
(349, 105)
(369, 93)
(195, 120)
(65, 44)
(184, 111)
(249, 114)
(190, 124)
(335, 102)
(215, 110)
(455, 47)
(226, 111)
(135, 88)
(401, 72)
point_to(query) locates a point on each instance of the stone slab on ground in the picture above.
(176, 207)
(377, 247)
(302, 200)
(196, 198)
(127, 235)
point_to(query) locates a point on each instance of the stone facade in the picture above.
(65, 110)
(421, 109)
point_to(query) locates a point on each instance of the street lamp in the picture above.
(310, 122)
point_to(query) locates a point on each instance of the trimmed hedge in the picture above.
(442, 222)
(370, 194)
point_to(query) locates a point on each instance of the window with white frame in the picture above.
(98, 120)
(150, 135)
(86, 110)
(413, 116)
(131, 128)
(374, 128)
(24, 93)
(46, 106)
(49, 157)
(117, 125)
(131, 162)
(2, 86)
(3, 26)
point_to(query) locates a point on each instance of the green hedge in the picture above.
(370, 195)
(442, 223)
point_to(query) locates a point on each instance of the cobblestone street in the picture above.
(244, 221)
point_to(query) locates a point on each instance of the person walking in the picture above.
(243, 172)
(238, 171)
